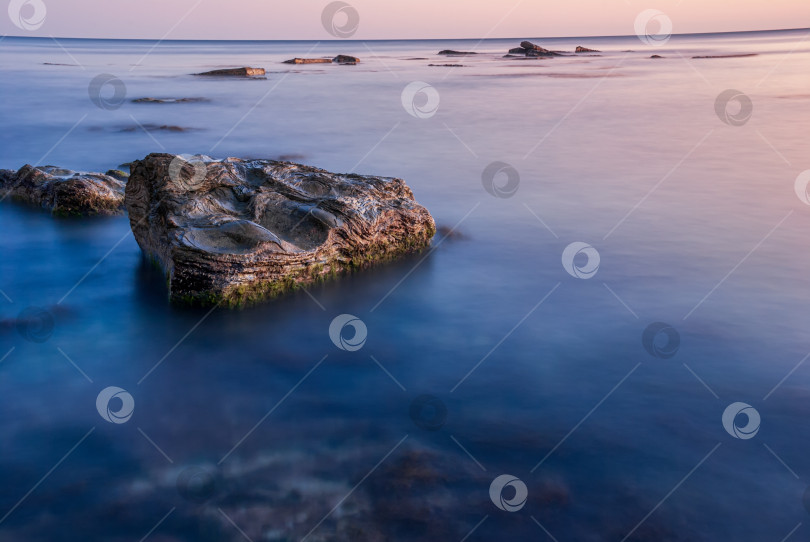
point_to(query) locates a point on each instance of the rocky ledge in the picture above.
(237, 231)
(65, 192)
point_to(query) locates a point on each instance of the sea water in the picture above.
(491, 354)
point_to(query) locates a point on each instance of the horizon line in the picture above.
(4, 36)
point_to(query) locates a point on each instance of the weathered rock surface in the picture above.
(235, 72)
(581, 49)
(65, 192)
(236, 231)
(450, 52)
(345, 59)
(308, 61)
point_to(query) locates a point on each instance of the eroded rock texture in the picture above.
(65, 192)
(237, 231)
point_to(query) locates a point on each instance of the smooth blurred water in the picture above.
(696, 222)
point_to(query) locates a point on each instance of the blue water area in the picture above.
(498, 351)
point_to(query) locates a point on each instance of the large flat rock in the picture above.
(237, 231)
(65, 192)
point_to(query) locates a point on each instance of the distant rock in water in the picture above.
(237, 231)
(308, 61)
(235, 72)
(581, 49)
(156, 128)
(65, 192)
(345, 59)
(450, 52)
(169, 100)
(446, 65)
(529, 49)
(656, 56)
(741, 55)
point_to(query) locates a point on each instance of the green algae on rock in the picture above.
(236, 231)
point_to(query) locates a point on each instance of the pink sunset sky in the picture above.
(387, 19)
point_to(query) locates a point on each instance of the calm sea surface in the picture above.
(254, 420)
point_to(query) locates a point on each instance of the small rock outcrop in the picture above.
(65, 192)
(345, 59)
(308, 61)
(581, 49)
(529, 49)
(450, 52)
(235, 72)
(237, 231)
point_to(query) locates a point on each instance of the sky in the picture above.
(385, 19)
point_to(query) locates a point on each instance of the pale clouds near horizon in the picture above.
(385, 19)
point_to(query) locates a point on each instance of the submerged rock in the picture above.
(450, 52)
(236, 231)
(308, 61)
(235, 72)
(168, 100)
(65, 192)
(581, 49)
